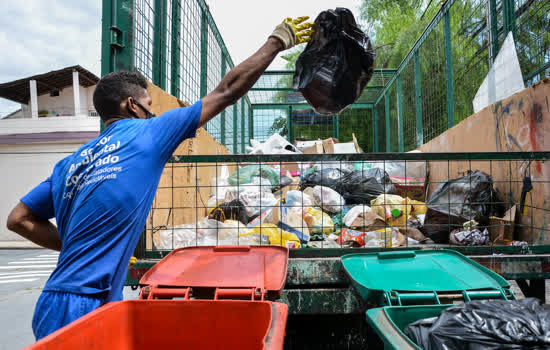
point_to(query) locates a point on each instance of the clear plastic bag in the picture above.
(298, 199)
(204, 233)
(328, 199)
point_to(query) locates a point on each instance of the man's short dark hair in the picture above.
(115, 87)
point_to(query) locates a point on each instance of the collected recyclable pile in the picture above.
(343, 204)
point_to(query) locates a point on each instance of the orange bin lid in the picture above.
(221, 267)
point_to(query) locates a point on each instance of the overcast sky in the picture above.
(38, 36)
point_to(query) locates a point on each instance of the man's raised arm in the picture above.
(240, 79)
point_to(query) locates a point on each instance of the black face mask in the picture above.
(148, 115)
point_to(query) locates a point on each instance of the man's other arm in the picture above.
(23, 221)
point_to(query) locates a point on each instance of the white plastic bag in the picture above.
(206, 232)
(328, 199)
(275, 144)
(354, 212)
(219, 185)
(298, 199)
(254, 200)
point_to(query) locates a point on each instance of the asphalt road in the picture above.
(23, 274)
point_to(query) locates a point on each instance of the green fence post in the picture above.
(401, 142)
(509, 17)
(159, 44)
(449, 69)
(235, 129)
(222, 114)
(204, 56)
(387, 105)
(251, 122)
(243, 124)
(418, 101)
(289, 125)
(493, 31)
(336, 127)
(117, 51)
(375, 128)
(176, 39)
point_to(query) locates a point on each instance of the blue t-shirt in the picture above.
(101, 196)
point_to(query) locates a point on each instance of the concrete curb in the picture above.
(19, 245)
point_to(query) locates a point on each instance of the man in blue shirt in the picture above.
(101, 194)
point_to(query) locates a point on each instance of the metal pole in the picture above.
(493, 30)
(116, 50)
(387, 105)
(449, 69)
(509, 17)
(418, 101)
(243, 124)
(375, 129)
(289, 125)
(222, 114)
(204, 54)
(336, 126)
(235, 129)
(251, 122)
(400, 135)
(176, 47)
(159, 44)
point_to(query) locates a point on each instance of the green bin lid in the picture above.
(376, 275)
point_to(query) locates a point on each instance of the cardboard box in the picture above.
(411, 187)
(501, 230)
(328, 145)
(317, 148)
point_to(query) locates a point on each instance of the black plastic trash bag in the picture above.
(336, 64)
(328, 177)
(486, 324)
(233, 210)
(357, 187)
(471, 197)
(361, 187)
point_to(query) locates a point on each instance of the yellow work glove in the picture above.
(133, 261)
(293, 31)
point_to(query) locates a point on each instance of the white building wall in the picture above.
(54, 124)
(22, 172)
(62, 105)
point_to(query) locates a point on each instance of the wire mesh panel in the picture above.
(229, 131)
(470, 39)
(308, 125)
(190, 51)
(432, 70)
(381, 122)
(393, 120)
(143, 37)
(358, 122)
(356, 200)
(408, 107)
(269, 121)
(532, 35)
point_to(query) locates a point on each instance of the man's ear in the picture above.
(129, 106)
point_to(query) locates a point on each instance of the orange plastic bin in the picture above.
(157, 321)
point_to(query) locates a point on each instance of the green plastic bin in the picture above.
(411, 285)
